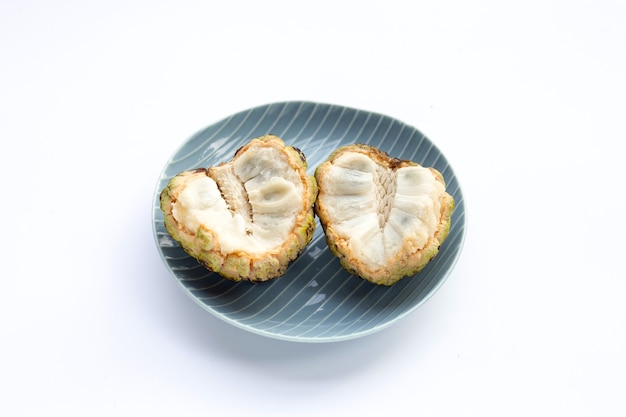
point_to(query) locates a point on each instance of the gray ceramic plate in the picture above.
(316, 301)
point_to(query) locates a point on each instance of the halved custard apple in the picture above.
(248, 218)
(384, 218)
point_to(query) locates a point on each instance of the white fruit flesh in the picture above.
(250, 204)
(378, 210)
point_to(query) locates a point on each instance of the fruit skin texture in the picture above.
(210, 248)
(410, 258)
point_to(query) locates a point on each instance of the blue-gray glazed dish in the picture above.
(316, 300)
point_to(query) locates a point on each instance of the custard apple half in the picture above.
(248, 218)
(384, 218)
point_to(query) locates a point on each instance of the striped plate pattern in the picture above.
(316, 301)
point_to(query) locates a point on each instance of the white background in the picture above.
(526, 100)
